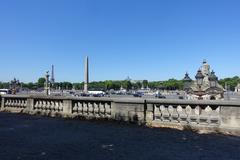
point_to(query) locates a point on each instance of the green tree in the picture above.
(145, 83)
(4, 85)
(108, 85)
(78, 86)
(127, 85)
(41, 82)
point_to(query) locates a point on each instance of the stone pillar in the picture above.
(67, 107)
(86, 75)
(2, 103)
(30, 105)
(148, 113)
(113, 110)
(230, 117)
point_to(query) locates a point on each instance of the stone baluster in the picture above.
(157, 112)
(85, 108)
(80, 108)
(36, 105)
(188, 112)
(204, 118)
(11, 103)
(215, 116)
(21, 103)
(165, 113)
(90, 109)
(96, 110)
(101, 109)
(209, 110)
(56, 106)
(108, 109)
(51, 108)
(60, 106)
(75, 107)
(44, 105)
(173, 113)
(182, 114)
(41, 105)
(194, 115)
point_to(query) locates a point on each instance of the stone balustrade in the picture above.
(48, 105)
(97, 109)
(194, 114)
(13, 104)
(216, 115)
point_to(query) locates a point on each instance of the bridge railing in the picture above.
(67, 106)
(52, 105)
(156, 112)
(92, 108)
(194, 113)
(13, 103)
(185, 113)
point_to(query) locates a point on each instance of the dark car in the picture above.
(160, 96)
(85, 95)
(137, 94)
(97, 95)
(180, 97)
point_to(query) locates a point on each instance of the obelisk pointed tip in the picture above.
(86, 75)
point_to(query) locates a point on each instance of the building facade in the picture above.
(205, 86)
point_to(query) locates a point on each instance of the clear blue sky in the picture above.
(143, 39)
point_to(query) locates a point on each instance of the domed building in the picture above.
(205, 86)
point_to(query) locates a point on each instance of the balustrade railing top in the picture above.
(134, 100)
(194, 102)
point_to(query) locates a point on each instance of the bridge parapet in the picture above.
(216, 115)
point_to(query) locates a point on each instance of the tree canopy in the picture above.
(171, 84)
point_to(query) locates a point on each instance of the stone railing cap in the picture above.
(133, 100)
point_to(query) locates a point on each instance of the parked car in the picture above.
(98, 95)
(138, 94)
(4, 91)
(180, 97)
(160, 96)
(85, 95)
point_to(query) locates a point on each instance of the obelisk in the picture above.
(52, 77)
(86, 75)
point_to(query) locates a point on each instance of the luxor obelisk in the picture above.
(86, 75)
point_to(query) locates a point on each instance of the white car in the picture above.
(4, 91)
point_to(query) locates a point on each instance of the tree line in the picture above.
(230, 82)
(171, 84)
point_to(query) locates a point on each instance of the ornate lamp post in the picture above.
(213, 85)
(199, 77)
(15, 86)
(47, 84)
(213, 80)
(187, 82)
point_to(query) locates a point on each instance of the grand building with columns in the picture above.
(205, 86)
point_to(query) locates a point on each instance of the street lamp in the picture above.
(15, 85)
(47, 84)
(187, 82)
(199, 77)
(213, 79)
